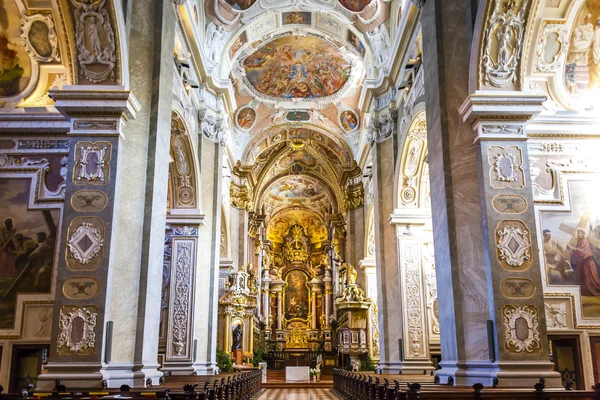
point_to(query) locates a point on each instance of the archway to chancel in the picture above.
(414, 235)
(176, 341)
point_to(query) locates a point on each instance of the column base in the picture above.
(409, 367)
(73, 375)
(141, 372)
(178, 368)
(510, 374)
(205, 369)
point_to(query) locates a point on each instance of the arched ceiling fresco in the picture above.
(292, 67)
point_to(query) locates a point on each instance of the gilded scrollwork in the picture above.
(521, 328)
(76, 329)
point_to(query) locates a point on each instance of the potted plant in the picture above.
(316, 374)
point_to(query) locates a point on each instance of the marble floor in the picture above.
(297, 394)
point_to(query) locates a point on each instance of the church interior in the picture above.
(259, 199)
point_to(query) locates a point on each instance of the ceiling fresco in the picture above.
(297, 67)
(355, 5)
(279, 226)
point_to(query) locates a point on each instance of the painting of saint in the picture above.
(290, 67)
(296, 295)
(356, 43)
(26, 247)
(349, 120)
(571, 245)
(246, 117)
(298, 155)
(582, 69)
(15, 66)
(237, 44)
(355, 5)
(297, 18)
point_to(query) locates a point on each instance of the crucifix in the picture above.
(583, 223)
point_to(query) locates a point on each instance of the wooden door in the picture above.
(26, 365)
(566, 355)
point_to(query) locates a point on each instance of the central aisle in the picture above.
(297, 394)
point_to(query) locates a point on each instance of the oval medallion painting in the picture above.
(349, 120)
(290, 67)
(355, 5)
(246, 118)
(15, 67)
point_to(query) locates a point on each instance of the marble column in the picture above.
(207, 272)
(86, 269)
(409, 231)
(239, 236)
(279, 310)
(355, 246)
(475, 245)
(386, 253)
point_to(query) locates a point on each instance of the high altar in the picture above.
(306, 290)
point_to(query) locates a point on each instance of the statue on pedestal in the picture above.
(237, 338)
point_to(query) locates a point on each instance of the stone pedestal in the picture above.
(238, 356)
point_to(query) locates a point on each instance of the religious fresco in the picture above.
(240, 4)
(292, 67)
(27, 240)
(349, 120)
(279, 226)
(571, 245)
(582, 68)
(355, 5)
(297, 18)
(15, 65)
(296, 187)
(238, 43)
(245, 118)
(356, 43)
(296, 295)
(295, 156)
(297, 116)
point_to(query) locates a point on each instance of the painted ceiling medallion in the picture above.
(85, 243)
(355, 5)
(293, 67)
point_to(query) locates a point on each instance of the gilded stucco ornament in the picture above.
(85, 243)
(76, 329)
(95, 40)
(513, 243)
(355, 196)
(503, 42)
(521, 328)
(41, 48)
(551, 48)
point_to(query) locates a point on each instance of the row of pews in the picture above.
(357, 386)
(242, 386)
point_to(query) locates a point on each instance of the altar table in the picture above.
(297, 374)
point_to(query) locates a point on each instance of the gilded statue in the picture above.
(349, 272)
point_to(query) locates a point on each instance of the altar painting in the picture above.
(27, 239)
(571, 245)
(15, 65)
(291, 67)
(296, 295)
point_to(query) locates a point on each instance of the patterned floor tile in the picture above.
(297, 394)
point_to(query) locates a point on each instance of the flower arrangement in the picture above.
(315, 371)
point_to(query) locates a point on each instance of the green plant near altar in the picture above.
(367, 364)
(259, 352)
(224, 361)
(315, 371)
